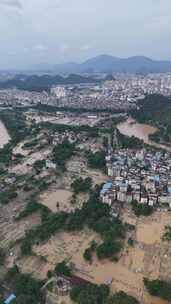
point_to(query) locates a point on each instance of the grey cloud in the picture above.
(11, 3)
(56, 31)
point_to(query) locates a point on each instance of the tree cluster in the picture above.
(141, 209)
(63, 152)
(81, 185)
(96, 160)
(126, 142)
(90, 294)
(158, 288)
(89, 251)
(63, 269)
(26, 289)
(122, 298)
(95, 215)
(8, 195)
(2, 256)
(156, 109)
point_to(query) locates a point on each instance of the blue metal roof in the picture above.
(10, 299)
(157, 178)
(106, 187)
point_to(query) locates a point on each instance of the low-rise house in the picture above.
(136, 196)
(121, 196)
(144, 200)
(10, 180)
(50, 164)
(106, 187)
(107, 199)
(64, 284)
(164, 199)
(129, 197)
(152, 199)
(110, 171)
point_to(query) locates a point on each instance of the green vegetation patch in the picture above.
(158, 288)
(167, 234)
(61, 128)
(156, 110)
(8, 195)
(141, 209)
(122, 298)
(15, 123)
(96, 160)
(91, 294)
(81, 185)
(126, 142)
(94, 214)
(2, 256)
(63, 269)
(63, 152)
(31, 207)
(27, 289)
(87, 255)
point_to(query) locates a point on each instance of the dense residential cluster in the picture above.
(121, 92)
(138, 175)
(58, 240)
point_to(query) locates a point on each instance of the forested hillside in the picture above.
(156, 110)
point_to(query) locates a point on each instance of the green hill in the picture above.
(156, 110)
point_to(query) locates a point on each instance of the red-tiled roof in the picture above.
(75, 280)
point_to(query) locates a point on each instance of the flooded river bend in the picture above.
(131, 127)
(4, 135)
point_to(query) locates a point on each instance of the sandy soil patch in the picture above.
(137, 259)
(34, 266)
(54, 198)
(64, 245)
(153, 300)
(149, 233)
(97, 176)
(19, 149)
(122, 279)
(138, 262)
(28, 162)
(148, 258)
(151, 229)
(52, 298)
(10, 230)
(79, 166)
(129, 218)
(13, 231)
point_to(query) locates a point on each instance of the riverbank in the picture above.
(131, 127)
(4, 135)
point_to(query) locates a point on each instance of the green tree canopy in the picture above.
(122, 298)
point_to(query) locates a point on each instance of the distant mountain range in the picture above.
(110, 64)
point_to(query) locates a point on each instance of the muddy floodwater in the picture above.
(4, 136)
(54, 198)
(131, 127)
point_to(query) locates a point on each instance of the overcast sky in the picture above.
(54, 31)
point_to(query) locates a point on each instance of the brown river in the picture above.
(142, 131)
(4, 136)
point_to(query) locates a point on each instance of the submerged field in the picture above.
(149, 257)
(34, 183)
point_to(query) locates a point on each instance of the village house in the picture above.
(140, 175)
